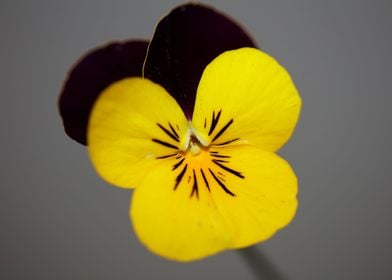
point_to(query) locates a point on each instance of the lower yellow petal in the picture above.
(174, 223)
(133, 123)
(197, 205)
(264, 197)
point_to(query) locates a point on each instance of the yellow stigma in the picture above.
(192, 142)
(195, 146)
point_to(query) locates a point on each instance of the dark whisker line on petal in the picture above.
(195, 188)
(178, 164)
(205, 122)
(205, 179)
(180, 176)
(227, 142)
(220, 156)
(167, 156)
(232, 171)
(164, 143)
(221, 178)
(174, 131)
(221, 160)
(214, 121)
(179, 156)
(170, 134)
(223, 130)
(221, 183)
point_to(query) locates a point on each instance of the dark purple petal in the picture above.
(185, 41)
(91, 75)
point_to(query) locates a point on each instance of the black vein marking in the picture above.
(167, 156)
(219, 156)
(205, 122)
(232, 171)
(222, 130)
(221, 178)
(170, 134)
(174, 131)
(214, 152)
(179, 156)
(227, 142)
(214, 121)
(178, 164)
(189, 179)
(195, 188)
(221, 184)
(180, 176)
(221, 160)
(164, 143)
(205, 179)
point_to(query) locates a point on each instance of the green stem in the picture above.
(261, 266)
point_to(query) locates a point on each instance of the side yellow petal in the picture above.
(246, 96)
(172, 221)
(133, 123)
(264, 192)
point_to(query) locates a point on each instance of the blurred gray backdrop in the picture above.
(58, 220)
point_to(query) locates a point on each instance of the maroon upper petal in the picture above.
(185, 41)
(91, 75)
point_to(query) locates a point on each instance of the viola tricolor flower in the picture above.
(192, 121)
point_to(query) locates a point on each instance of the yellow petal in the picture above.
(197, 205)
(264, 197)
(133, 123)
(245, 96)
(174, 223)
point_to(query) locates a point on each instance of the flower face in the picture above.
(198, 144)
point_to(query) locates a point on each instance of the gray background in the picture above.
(58, 220)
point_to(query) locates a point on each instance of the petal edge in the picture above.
(91, 75)
(185, 41)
